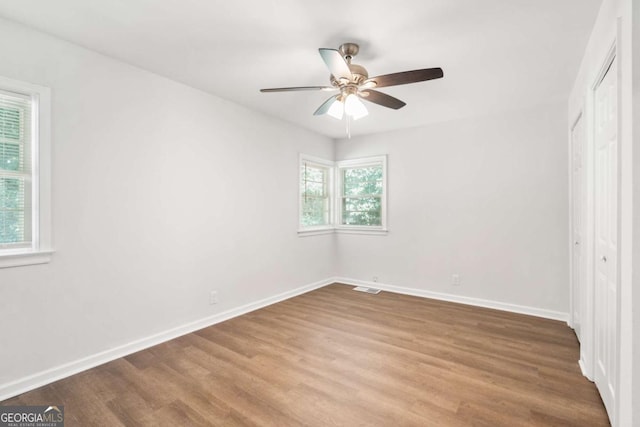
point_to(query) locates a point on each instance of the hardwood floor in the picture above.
(338, 357)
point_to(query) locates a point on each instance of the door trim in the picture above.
(574, 123)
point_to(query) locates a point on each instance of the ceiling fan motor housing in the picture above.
(359, 73)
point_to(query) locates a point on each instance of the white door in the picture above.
(577, 190)
(606, 242)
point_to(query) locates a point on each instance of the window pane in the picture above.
(314, 204)
(371, 173)
(367, 204)
(362, 188)
(314, 211)
(362, 218)
(362, 211)
(16, 194)
(10, 123)
(315, 174)
(11, 227)
(12, 210)
(314, 189)
(310, 219)
(314, 195)
(11, 193)
(9, 156)
(362, 181)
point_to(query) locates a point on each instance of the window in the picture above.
(356, 203)
(315, 193)
(15, 170)
(24, 197)
(362, 188)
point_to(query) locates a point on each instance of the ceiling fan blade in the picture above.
(292, 89)
(403, 78)
(382, 99)
(324, 108)
(336, 63)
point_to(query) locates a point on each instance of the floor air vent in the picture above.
(367, 290)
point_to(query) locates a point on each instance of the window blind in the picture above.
(15, 170)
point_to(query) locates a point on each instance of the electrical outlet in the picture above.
(455, 279)
(213, 297)
(375, 279)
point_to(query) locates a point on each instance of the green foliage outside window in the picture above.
(11, 210)
(11, 188)
(315, 195)
(362, 196)
(10, 123)
(9, 156)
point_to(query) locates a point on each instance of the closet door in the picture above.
(606, 237)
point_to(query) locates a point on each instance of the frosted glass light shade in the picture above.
(354, 107)
(336, 110)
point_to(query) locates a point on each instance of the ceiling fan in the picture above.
(353, 83)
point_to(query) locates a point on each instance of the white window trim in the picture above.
(335, 225)
(322, 229)
(40, 251)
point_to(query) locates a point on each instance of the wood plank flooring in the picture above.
(338, 357)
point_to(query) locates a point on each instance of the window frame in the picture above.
(329, 166)
(354, 164)
(39, 251)
(336, 194)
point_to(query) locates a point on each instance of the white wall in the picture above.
(161, 193)
(484, 197)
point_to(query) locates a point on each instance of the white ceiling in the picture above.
(496, 54)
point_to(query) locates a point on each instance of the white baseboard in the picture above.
(514, 308)
(582, 367)
(584, 370)
(48, 376)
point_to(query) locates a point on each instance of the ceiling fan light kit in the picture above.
(336, 110)
(354, 108)
(353, 83)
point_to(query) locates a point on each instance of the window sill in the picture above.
(359, 230)
(344, 230)
(19, 259)
(315, 231)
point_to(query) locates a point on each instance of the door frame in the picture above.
(578, 119)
